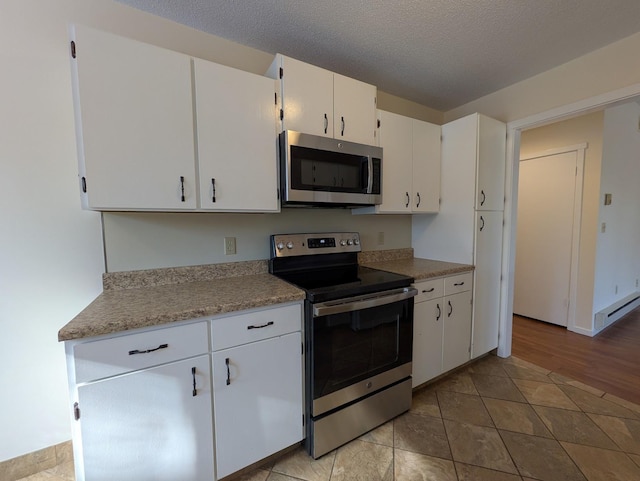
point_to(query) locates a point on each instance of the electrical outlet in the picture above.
(229, 245)
(603, 227)
(380, 238)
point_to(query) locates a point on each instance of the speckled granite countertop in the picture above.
(156, 302)
(136, 299)
(419, 269)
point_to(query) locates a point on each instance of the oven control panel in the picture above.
(285, 245)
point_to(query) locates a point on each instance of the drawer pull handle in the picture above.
(137, 351)
(270, 323)
(429, 290)
(193, 374)
(226, 361)
(459, 283)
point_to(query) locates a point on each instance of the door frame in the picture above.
(579, 149)
(514, 128)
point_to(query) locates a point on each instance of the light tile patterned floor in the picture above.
(496, 420)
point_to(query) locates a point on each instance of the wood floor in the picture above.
(609, 361)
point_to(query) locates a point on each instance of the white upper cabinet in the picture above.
(236, 139)
(426, 167)
(491, 151)
(354, 110)
(134, 119)
(410, 166)
(317, 101)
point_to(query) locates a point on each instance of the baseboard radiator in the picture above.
(616, 310)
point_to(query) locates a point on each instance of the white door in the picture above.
(307, 98)
(354, 107)
(257, 401)
(134, 106)
(486, 285)
(546, 193)
(236, 144)
(149, 425)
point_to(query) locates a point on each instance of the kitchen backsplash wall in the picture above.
(136, 241)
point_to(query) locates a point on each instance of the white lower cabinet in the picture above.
(441, 326)
(257, 385)
(142, 405)
(145, 402)
(148, 425)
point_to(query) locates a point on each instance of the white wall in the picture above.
(587, 128)
(617, 263)
(149, 240)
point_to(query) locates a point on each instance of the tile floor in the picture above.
(496, 420)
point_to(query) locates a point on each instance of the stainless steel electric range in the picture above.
(358, 336)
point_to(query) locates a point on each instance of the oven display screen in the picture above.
(320, 242)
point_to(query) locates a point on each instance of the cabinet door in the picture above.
(457, 330)
(236, 143)
(488, 261)
(148, 425)
(396, 141)
(307, 98)
(426, 167)
(427, 340)
(354, 106)
(492, 138)
(134, 116)
(257, 400)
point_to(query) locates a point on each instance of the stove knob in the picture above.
(343, 242)
(350, 242)
(289, 245)
(356, 241)
(280, 246)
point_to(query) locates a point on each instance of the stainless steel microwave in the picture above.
(323, 172)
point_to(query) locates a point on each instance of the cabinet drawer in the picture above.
(108, 357)
(459, 283)
(254, 326)
(429, 289)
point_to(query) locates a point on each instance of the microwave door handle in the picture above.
(369, 175)
(363, 302)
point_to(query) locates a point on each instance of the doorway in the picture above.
(548, 234)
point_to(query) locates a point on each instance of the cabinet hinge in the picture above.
(73, 49)
(375, 100)
(76, 411)
(281, 72)
(281, 114)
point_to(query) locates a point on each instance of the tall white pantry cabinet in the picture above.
(468, 228)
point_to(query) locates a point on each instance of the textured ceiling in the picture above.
(439, 53)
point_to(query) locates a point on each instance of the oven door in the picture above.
(358, 346)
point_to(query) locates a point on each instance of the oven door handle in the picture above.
(363, 302)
